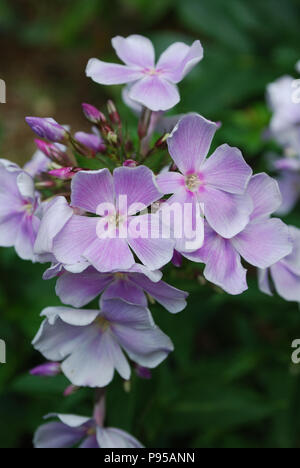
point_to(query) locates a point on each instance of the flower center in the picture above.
(28, 207)
(91, 431)
(102, 323)
(192, 182)
(115, 220)
(152, 71)
(120, 275)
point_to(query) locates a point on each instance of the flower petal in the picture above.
(287, 283)
(115, 438)
(173, 299)
(26, 187)
(147, 347)
(190, 141)
(289, 186)
(125, 289)
(71, 420)
(293, 260)
(121, 312)
(111, 73)
(178, 60)
(55, 216)
(138, 185)
(26, 237)
(264, 281)
(78, 317)
(265, 195)
(264, 243)
(76, 236)
(110, 254)
(79, 289)
(170, 182)
(223, 263)
(145, 239)
(9, 229)
(155, 93)
(89, 443)
(227, 170)
(91, 188)
(57, 435)
(55, 342)
(228, 214)
(92, 364)
(135, 50)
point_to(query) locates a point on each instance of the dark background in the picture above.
(230, 381)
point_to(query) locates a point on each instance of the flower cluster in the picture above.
(284, 101)
(89, 204)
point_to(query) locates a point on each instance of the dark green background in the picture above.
(230, 381)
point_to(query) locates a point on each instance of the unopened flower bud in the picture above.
(91, 141)
(54, 153)
(93, 114)
(47, 128)
(113, 113)
(130, 163)
(49, 369)
(143, 372)
(64, 173)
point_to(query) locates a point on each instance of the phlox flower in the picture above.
(72, 430)
(97, 239)
(285, 274)
(91, 342)
(81, 288)
(154, 85)
(263, 242)
(19, 204)
(219, 182)
(285, 122)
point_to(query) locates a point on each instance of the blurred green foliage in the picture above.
(230, 381)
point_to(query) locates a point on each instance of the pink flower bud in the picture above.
(65, 173)
(53, 152)
(113, 113)
(93, 114)
(49, 369)
(130, 163)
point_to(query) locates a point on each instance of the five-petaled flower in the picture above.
(72, 430)
(90, 342)
(218, 182)
(263, 242)
(153, 85)
(107, 240)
